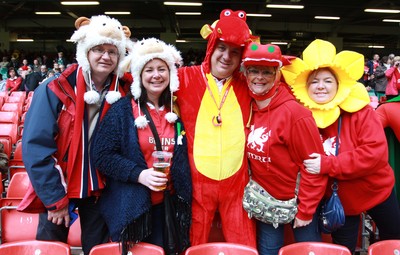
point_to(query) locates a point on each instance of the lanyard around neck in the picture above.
(217, 120)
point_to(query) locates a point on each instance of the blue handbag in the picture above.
(331, 214)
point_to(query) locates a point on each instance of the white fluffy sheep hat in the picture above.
(142, 52)
(95, 31)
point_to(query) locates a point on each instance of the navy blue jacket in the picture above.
(117, 154)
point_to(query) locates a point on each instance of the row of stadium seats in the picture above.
(304, 248)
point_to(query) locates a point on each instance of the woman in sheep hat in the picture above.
(125, 142)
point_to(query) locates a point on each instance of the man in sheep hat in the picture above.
(59, 127)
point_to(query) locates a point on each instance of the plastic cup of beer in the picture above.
(162, 163)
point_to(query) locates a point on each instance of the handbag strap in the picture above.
(152, 127)
(335, 184)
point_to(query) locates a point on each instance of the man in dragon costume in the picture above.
(215, 107)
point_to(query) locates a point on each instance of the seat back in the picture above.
(74, 234)
(220, 248)
(9, 117)
(35, 247)
(18, 185)
(21, 94)
(314, 248)
(386, 247)
(17, 226)
(137, 249)
(13, 107)
(9, 131)
(15, 99)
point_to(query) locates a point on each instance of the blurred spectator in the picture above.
(43, 71)
(57, 72)
(380, 77)
(14, 63)
(4, 63)
(36, 65)
(25, 63)
(2, 83)
(62, 68)
(24, 70)
(14, 81)
(393, 76)
(46, 61)
(32, 81)
(61, 60)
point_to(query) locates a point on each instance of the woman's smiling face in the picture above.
(322, 86)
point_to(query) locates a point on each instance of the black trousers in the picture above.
(93, 227)
(386, 216)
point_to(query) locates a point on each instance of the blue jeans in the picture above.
(270, 239)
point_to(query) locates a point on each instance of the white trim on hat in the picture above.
(142, 53)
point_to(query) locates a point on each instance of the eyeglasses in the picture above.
(257, 72)
(101, 51)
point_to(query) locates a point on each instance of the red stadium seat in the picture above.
(14, 225)
(15, 99)
(4, 94)
(13, 107)
(386, 247)
(8, 130)
(21, 94)
(35, 247)
(9, 117)
(221, 248)
(137, 249)
(74, 234)
(18, 185)
(315, 248)
(15, 164)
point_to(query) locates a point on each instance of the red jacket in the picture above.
(365, 178)
(391, 87)
(13, 85)
(281, 136)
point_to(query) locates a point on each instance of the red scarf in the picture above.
(82, 176)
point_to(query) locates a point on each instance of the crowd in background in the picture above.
(28, 66)
(380, 77)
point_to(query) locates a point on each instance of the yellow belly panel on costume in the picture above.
(218, 150)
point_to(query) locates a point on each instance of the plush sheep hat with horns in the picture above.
(144, 51)
(95, 31)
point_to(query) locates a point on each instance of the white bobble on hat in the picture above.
(141, 122)
(91, 97)
(171, 117)
(113, 95)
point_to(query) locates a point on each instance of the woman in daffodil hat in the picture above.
(326, 83)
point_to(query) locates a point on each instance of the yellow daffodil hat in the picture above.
(348, 67)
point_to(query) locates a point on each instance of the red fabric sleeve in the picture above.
(306, 140)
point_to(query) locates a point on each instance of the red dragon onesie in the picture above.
(217, 148)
